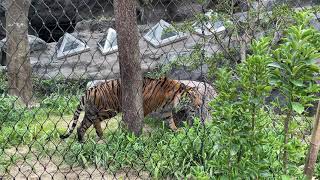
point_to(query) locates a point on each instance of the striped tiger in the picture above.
(103, 101)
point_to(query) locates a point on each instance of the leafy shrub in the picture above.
(193, 152)
(58, 85)
(294, 71)
(19, 125)
(10, 109)
(163, 153)
(60, 104)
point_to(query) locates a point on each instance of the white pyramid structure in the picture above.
(162, 34)
(68, 45)
(209, 27)
(108, 44)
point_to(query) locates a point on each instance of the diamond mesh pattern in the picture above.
(30, 146)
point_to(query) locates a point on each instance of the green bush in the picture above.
(20, 125)
(58, 85)
(60, 104)
(10, 109)
(193, 152)
(163, 153)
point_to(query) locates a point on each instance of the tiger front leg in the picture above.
(172, 124)
(168, 116)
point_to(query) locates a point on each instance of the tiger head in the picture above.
(188, 106)
(195, 97)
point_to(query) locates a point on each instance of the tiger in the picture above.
(103, 101)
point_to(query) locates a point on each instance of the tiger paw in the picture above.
(178, 130)
(99, 140)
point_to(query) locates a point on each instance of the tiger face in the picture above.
(188, 107)
(195, 97)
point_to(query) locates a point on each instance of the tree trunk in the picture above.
(314, 146)
(19, 67)
(130, 68)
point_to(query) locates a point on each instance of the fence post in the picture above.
(314, 146)
(18, 50)
(130, 68)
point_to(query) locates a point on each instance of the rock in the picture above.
(315, 21)
(58, 11)
(36, 44)
(59, 16)
(52, 18)
(181, 10)
(183, 73)
(93, 65)
(100, 25)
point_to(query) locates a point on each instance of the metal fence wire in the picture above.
(72, 47)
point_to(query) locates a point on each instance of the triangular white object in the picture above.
(158, 36)
(68, 45)
(108, 44)
(209, 28)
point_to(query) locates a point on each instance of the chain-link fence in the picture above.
(236, 103)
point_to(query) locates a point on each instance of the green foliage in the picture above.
(58, 85)
(193, 152)
(193, 61)
(294, 71)
(10, 109)
(20, 125)
(60, 104)
(239, 116)
(163, 153)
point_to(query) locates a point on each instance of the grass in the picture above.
(159, 151)
(193, 152)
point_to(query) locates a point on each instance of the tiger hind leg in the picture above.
(102, 115)
(85, 124)
(99, 131)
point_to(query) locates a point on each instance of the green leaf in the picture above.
(298, 83)
(84, 160)
(275, 64)
(234, 149)
(268, 88)
(285, 177)
(299, 108)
